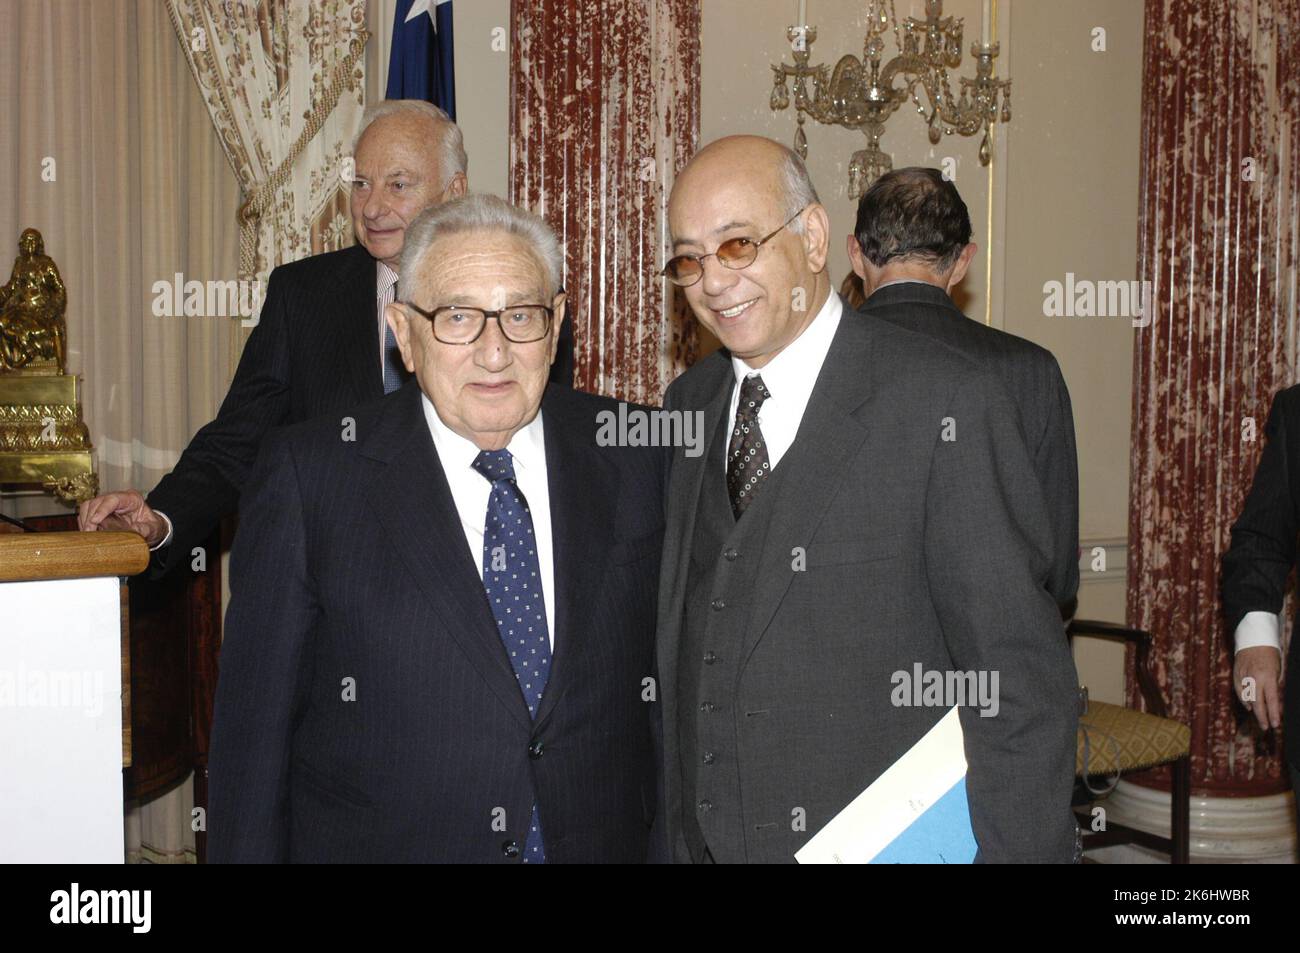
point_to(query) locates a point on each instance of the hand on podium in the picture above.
(125, 511)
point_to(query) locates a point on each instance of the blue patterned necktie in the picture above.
(394, 371)
(512, 578)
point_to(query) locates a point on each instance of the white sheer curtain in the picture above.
(98, 96)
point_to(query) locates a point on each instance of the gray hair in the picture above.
(797, 187)
(451, 142)
(480, 212)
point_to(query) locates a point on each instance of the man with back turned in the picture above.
(911, 247)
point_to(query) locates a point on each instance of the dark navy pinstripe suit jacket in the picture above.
(1264, 548)
(350, 574)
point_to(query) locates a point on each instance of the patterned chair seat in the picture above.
(1113, 738)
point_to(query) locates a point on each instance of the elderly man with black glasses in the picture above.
(440, 634)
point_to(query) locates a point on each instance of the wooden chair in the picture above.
(1116, 741)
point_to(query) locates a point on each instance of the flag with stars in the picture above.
(421, 63)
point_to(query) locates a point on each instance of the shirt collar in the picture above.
(796, 367)
(527, 447)
(385, 278)
(906, 281)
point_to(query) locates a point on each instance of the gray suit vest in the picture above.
(723, 565)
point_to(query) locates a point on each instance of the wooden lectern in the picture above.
(65, 725)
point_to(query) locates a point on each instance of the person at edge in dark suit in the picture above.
(320, 343)
(864, 505)
(441, 626)
(1255, 571)
(911, 247)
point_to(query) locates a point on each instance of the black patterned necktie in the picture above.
(747, 464)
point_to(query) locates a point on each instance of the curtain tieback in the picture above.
(250, 212)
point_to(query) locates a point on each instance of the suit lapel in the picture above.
(414, 506)
(685, 487)
(811, 471)
(355, 284)
(583, 489)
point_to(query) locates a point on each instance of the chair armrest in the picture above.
(1142, 641)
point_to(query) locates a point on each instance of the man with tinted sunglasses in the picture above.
(864, 504)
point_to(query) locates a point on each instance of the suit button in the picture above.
(510, 848)
(709, 658)
(718, 605)
(709, 757)
(706, 707)
(731, 555)
(535, 750)
(705, 806)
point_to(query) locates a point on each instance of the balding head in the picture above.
(769, 166)
(747, 187)
(408, 157)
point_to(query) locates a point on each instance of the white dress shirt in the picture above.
(902, 281)
(1256, 629)
(166, 540)
(789, 378)
(470, 491)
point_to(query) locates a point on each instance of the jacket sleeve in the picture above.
(660, 850)
(205, 484)
(262, 689)
(1263, 547)
(1056, 460)
(987, 552)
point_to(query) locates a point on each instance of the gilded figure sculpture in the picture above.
(33, 329)
(43, 439)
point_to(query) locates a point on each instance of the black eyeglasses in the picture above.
(520, 323)
(735, 253)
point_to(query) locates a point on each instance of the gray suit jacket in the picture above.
(1033, 381)
(918, 550)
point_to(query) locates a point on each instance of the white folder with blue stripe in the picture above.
(914, 813)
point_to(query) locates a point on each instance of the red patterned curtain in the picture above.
(604, 111)
(1219, 237)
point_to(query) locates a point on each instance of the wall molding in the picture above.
(1116, 555)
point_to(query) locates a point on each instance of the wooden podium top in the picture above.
(26, 557)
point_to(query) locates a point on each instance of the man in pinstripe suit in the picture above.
(1255, 571)
(320, 344)
(317, 345)
(440, 640)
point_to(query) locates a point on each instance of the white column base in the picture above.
(1224, 830)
